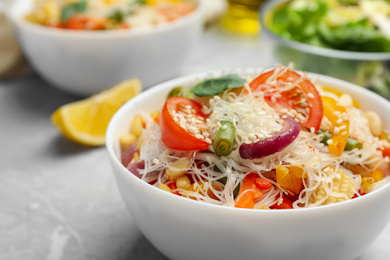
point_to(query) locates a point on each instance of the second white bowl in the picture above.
(86, 62)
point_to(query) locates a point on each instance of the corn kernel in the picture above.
(155, 115)
(183, 182)
(135, 157)
(165, 187)
(367, 184)
(177, 168)
(125, 140)
(375, 123)
(376, 175)
(136, 126)
(346, 101)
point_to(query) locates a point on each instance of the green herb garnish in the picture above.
(71, 9)
(215, 86)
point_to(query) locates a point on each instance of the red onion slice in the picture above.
(274, 144)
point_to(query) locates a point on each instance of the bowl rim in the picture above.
(226, 209)
(315, 50)
(17, 20)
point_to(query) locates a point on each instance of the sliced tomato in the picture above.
(304, 95)
(178, 131)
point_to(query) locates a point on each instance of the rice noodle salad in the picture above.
(280, 140)
(107, 14)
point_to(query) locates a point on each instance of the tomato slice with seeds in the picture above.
(303, 97)
(183, 124)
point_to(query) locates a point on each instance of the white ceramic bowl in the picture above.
(186, 229)
(85, 62)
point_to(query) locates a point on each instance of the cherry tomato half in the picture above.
(303, 98)
(183, 124)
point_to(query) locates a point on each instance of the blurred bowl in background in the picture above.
(367, 69)
(86, 62)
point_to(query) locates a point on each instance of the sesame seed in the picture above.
(310, 95)
(208, 140)
(330, 141)
(199, 136)
(336, 130)
(156, 161)
(339, 121)
(284, 110)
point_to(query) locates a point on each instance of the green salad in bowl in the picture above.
(347, 39)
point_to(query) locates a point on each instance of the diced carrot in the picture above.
(249, 192)
(257, 192)
(263, 184)
(246, 201)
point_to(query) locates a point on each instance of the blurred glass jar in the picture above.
(242, 16)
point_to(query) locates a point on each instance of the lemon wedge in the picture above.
(86, 121)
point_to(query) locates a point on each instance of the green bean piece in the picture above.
(326, 137)
(224, 141)
(175, 92)
(352, 144)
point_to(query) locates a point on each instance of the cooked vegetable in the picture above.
(339, 118)
(249, 192)
(183, 125)
(351, 143)
(224, 142)
(271, 145)
(289, 93)
(287, 180)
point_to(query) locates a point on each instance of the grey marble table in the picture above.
(58, 199)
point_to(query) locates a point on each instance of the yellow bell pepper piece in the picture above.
(339, 94)
(339, 118)
(287, 180)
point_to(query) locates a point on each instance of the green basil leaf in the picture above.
(117, 16)
(71, 9)
(215, 86)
